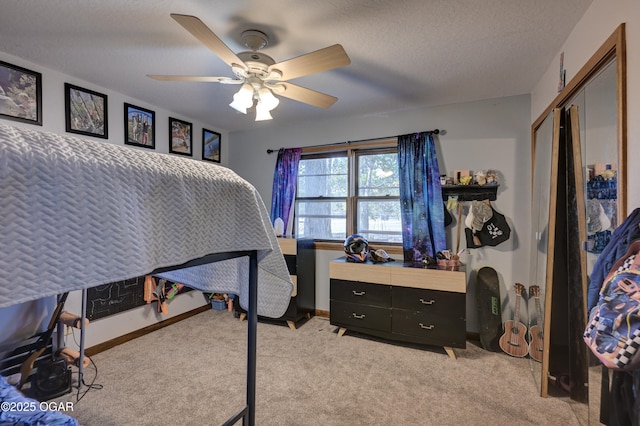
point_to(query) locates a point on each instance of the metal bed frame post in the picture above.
(248, 413)
(83, 316)
(252, 334)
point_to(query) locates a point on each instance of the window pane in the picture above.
(325, 219)
(323, 177)
(378, 174)
(379, 220)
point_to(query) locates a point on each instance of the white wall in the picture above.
(54, 121)
(489, 134)
(597, 24)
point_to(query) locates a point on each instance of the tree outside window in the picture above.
(353, 191)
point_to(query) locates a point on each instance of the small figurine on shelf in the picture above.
(608, 174)
(492, 177)
(480, 178)
(465, 180)
(459, 176)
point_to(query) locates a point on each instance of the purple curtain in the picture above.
(422, 209)
(285, 178)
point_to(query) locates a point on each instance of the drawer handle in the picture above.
(358, 316)
(427, 302)
(359, 293)
(426, 327)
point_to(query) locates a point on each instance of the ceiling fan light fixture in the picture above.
(262, 112)
(259, 75)
(267, 99)
(243, 99)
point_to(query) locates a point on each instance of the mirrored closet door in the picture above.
(578, 198)
(543, 168)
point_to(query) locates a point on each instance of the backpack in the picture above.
(613, 329)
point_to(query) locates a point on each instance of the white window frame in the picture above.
(352, 151)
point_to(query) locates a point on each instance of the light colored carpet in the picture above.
(193, 373)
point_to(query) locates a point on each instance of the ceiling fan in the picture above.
(259, 75)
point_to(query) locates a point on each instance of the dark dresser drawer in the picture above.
(361, 293)
(447, 330)
(417, 299)
(360, 316)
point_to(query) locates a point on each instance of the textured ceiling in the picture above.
(404, 53)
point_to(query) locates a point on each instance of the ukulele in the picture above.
(536, 347)
(513, 340)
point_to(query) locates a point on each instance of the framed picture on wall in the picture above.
(139, 126)
(211, 145)
(20, 94)
(180, 137)
(85, 112)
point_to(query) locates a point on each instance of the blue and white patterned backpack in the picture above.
(613, 329)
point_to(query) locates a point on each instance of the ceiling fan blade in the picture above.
(321, 60)
(200, 31)
(307, 96)
(196, 78)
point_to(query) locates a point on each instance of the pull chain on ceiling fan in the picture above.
(259, 75)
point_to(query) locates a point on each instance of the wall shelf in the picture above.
(470, 192)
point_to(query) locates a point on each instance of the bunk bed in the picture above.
(77, 213)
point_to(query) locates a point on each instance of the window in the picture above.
(351, 191)
(377, 202)
(322, 195)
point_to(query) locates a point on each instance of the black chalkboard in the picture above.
(119, 296)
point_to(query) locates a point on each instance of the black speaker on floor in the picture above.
(51, 380)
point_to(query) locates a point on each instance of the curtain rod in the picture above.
(434, 131)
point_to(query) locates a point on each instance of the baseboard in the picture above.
(101, 347)
(323, 314)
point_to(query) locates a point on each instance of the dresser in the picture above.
(299, 255)
(400, 302)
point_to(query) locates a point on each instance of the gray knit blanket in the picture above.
(77, 213)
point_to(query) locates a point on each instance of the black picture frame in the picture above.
(20, 94)
(211, 144)
(86, 112)
(139, 126)
(180, 137)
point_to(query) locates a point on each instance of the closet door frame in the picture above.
(614, 48)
